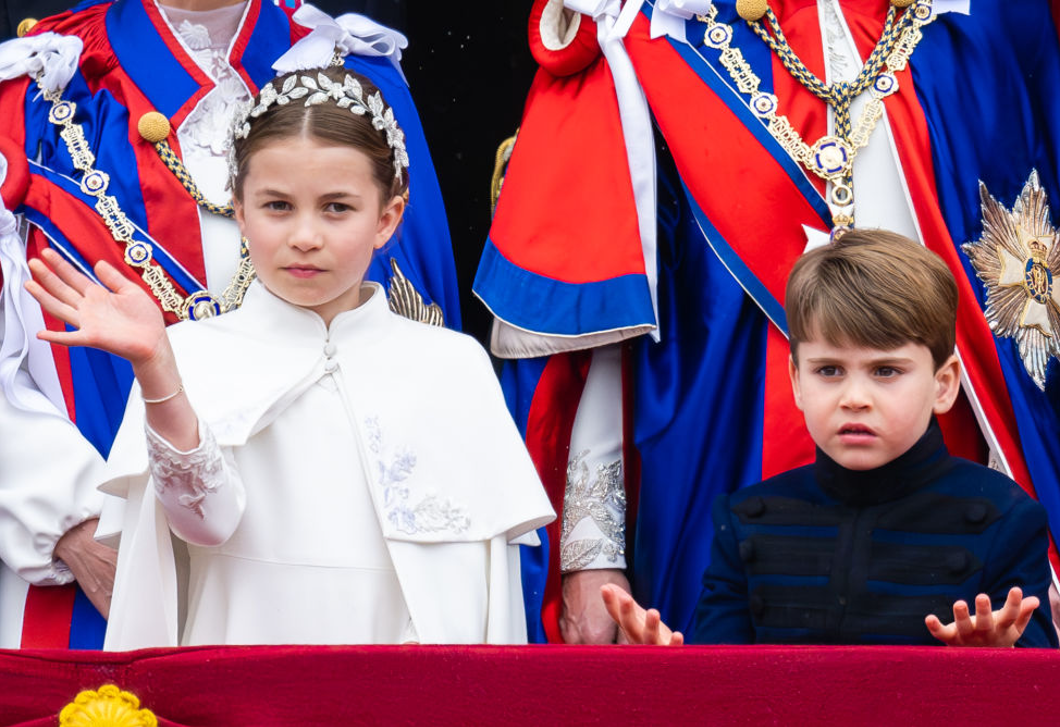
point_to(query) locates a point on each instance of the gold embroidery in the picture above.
(406, 301)
(500, 166)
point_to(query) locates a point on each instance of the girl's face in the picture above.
(312, 217)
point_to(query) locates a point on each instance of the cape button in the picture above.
(25, 27)
(153, 127)
(329, 349)
(330, 365)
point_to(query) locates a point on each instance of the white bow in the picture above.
(8, 224)
(670, 15)
(348, 34)
(595, 9)
(49, 57)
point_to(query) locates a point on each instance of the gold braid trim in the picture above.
(175, 165)
(500, 166)
(405, 301)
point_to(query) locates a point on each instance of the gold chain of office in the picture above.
(832, 156)
(139, 254)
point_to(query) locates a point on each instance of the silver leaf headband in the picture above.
(347, 95)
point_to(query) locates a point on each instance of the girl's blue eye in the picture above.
(338, 207)
(277, 205)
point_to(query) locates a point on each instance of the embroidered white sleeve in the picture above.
(594, 508)
(202, 495)
(593, 533)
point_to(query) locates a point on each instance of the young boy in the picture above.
(885, 532)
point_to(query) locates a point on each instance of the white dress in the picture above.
(361, 483)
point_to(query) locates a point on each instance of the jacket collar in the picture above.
(156, 61)
(917, 467)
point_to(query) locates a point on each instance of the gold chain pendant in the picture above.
(831, 157)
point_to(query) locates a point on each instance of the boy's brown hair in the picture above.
(874, 289)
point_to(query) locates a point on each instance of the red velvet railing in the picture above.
(546, 685)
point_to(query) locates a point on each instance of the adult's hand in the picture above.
(92, 564)
(584, 619)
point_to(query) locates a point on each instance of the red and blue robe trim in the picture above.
(748, 201)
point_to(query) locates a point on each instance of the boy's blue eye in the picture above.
(827, 371)
(887, 371)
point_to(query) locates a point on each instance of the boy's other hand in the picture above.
(1002, 627)
(584, 619)
(638, 625)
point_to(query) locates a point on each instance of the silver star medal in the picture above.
(1015, 258)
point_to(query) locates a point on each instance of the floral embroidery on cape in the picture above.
(408, 510)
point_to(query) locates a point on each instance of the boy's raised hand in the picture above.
(639, 626)
(119, 318)
(987, 627)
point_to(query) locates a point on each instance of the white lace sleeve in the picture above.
(594, 505)
(201, 492)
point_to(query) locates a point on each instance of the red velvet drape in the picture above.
(546, 685)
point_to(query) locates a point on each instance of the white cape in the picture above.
(413, 388)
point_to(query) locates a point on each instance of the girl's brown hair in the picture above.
(874, 289)
(325, 122)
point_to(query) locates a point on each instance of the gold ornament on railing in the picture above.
(109, 706)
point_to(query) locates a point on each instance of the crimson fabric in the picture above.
(265, 686)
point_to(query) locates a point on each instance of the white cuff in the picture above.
(593, 532)
(202, 499)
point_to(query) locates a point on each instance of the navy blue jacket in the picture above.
(822, 554)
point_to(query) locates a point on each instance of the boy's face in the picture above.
(864, 407)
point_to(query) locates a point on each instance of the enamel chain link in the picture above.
(831, 157)
(139, 254)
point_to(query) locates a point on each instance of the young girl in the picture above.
(331, 472)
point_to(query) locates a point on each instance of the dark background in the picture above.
(469, 69)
